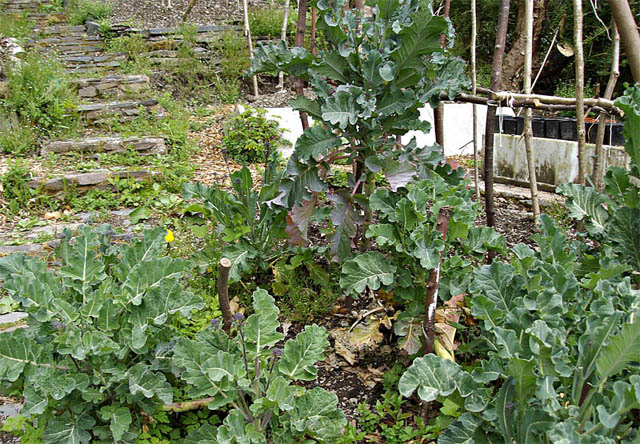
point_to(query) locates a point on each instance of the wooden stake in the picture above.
(528, 119)
(431, 299)
(474, 82)
(223, 292)
(283, 36)
(301, 26)
(579, 53)
(496, 84)
(247, 31)
(600, 160)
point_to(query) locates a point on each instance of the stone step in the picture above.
(25, 249)
(142, 145)
(75, 61)
(12, 321)
(116, 85)
(94, 179)
(131, 109)
(93, 69)
(62, 30)
(123, 29)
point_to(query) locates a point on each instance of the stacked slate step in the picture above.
(108, 145)
(113, 86)
(125, 111)
(82, 182)
(71, 46)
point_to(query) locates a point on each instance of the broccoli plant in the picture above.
(93, 358)
(369, 84)
(247, 373)
(563, 351)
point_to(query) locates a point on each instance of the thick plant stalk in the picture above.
(579, 53)
(629, 36)
(600, 161)
(431, 299)
(300, 29)
(314, 18)
(283, 36)
(247, 31)
(496, 83)
(474, 83)
(186, 406)
(223, 292)
(528, 129)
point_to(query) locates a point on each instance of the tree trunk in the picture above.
(629, 37)
(185, 16)
(528, 130)
(496, 83)
(300, 29)
(577, 43)
(474, 83)
(600, 161)
(247, 31)
(514, 59)
(223, 292)
(283, 36)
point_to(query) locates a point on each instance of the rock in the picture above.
(93, 28)
(88, 180)
(4, 90)
(143, 145)
(89, 91)
(27, 248)
(10, 318)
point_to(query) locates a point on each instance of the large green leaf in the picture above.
(68, 430)
(236, 430)
(344, 218)
(317, 414)
(461, 431)
(586, 203)
(260, 329)
(333, 66)
(341, 109)
(370, 269)
(495, 287)
(625, 233)
(630, 104)
(17, 351)
(151, 274)
(282, 393)
(240, 255)
(315, 142)
(119, 419)
(206, 434)
(273, 58)
(148, 383)
(303, 352)
(622, 349)
(431, 376)
(418, 40)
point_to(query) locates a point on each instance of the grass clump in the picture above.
(14, 25)
(233, 54)
(82, 10)
(267, 22)
(38, 96)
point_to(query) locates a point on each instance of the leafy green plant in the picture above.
(233, 53)
(612, 217)
(564, 347)
(376, 73)
(40, 95)
(15, 187)
(251, 137)
(255, 379)
(83, 10)
(245, 219)
(92, 361)
(16, 26)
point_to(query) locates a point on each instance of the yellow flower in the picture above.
(169, 237)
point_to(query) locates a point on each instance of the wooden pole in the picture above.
(431, 299)
(600, 160)
(283, 36)
(528, 119)
(301, 26)
(223, 292)
(247, 32)
(551, 100)
(496, 84)
(579, 52)
(438, 112)
(474, 83)
(623, 17)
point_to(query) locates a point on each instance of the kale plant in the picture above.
(244, 219)
(247, 373)
(369, 83)
(93, 359)
(564, 352)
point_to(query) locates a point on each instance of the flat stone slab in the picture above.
(89, 180)
(143, 145)
(111, 85)
(10, 318)
(94, 111)
(10, 410)
(26, 249)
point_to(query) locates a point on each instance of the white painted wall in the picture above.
(458, 127)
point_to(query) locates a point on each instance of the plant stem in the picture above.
(223, 292)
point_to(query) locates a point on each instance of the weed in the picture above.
(14, 185)
(233, 54)
(17, 140)
(267, 22)
(83, 10)
(39, 95)
(17, 26)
